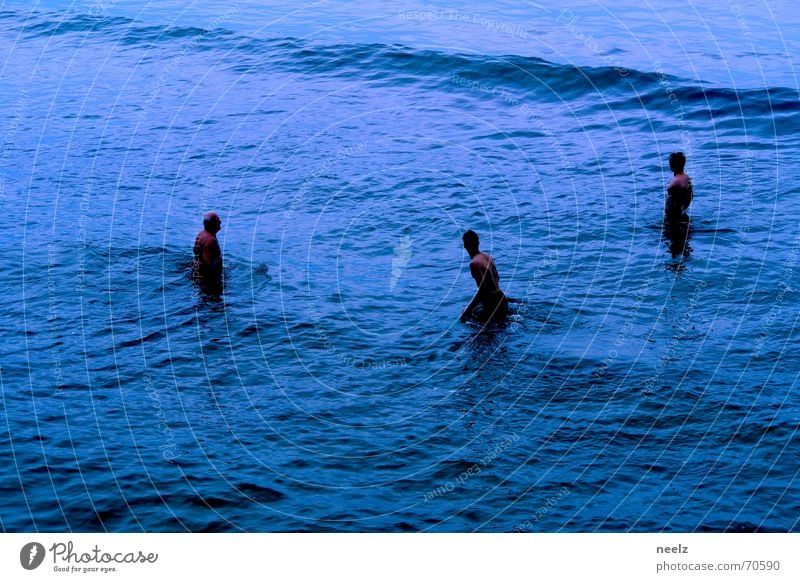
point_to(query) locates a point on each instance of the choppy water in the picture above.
(641, 385)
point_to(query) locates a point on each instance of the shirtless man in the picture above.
(207, 254)
(679, 191)
(494, 305)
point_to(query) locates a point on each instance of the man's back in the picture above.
(494, 305)
(484, 272)
(207, 253)
(679, 197)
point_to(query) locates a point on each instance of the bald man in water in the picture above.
(207, 254)
(493, 302)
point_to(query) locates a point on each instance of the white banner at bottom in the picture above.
(399, 557)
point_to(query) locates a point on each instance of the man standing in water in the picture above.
(207, 254)
(494, 304)
(679, 191)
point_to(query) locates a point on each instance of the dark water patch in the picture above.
(260, 494)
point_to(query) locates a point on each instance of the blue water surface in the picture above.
(646, 381)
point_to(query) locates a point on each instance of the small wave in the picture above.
(516, 77)
(56, 24)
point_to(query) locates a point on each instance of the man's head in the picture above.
(212, 222)
(471, 242)
(677, 162)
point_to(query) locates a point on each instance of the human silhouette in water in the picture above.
(679, 197)
(207, 253)
(679, 191)
(490, 303)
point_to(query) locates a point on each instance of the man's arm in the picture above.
(198, 248)
(470, 308)
(689, 193)
(214, 254)
(478, 275)
(672, 203)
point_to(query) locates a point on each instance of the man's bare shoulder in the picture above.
(481, 260)
(681, 181)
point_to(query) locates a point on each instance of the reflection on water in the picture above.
(209, 289)
(677, 235)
